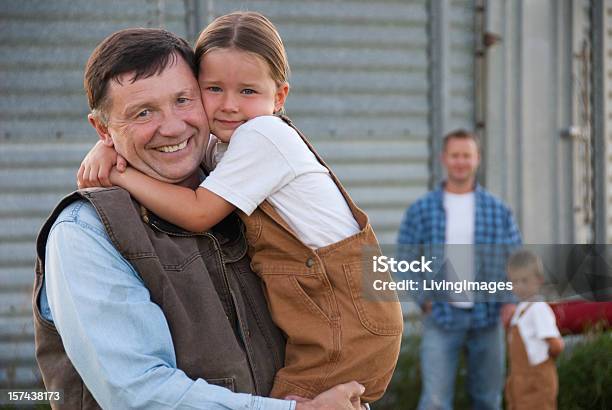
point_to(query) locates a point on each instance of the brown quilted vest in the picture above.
(217, 314)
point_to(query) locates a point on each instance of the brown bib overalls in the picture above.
(529, 387)
(335, 331)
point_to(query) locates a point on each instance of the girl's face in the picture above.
(237, 86)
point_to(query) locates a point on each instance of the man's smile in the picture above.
(173, 148)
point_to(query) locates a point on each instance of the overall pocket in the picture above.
(379, 311)
(303, 306)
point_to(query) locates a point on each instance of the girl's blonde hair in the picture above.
(246, 31)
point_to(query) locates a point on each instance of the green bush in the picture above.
(585, 374)
(405, 388)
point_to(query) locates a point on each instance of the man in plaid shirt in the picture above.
(461, 212)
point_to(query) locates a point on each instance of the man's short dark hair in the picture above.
(143, 51)
(460, 134)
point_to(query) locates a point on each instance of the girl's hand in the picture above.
(97, 165)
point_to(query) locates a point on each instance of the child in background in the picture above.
(533, 339)
(306, 236)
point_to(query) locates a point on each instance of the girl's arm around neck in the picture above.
(195, 211)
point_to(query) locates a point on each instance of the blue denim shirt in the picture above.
(424, 223)
(116, 337)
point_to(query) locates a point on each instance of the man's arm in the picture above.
(116, 338)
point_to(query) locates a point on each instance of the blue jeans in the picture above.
(440, 350)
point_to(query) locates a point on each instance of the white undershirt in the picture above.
(460, 217)
(267, 159)
(535, 325)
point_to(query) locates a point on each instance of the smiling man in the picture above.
(460, 212)
(131, 312)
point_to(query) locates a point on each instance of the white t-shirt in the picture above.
(460, 215)
(535, 325)
(267, 159)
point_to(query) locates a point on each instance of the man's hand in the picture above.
(507, 311)
(341, 397)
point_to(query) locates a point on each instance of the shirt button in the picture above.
(309, 262)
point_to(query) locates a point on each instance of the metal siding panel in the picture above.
(19, 376)
(360, 92)
(61, 33)
(53, 179)
(15, 304)
(17, 366)
(358, 103)
(373, 174)
(582, 142)
(41, 80)
(42, 154)
(43, 136)
(461, 60)
(28, 204)
(601, 27)
(18, 228)
(608, 116)
(367, 150)
(400, 82)
(16, 277)
(357, 57)
(451, 71)
(17, 253)
(70, 10)
(16, 327)
(340, 11)
(323, 34)
(361, 126)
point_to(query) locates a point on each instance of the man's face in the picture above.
(158, 124)
(461, 160)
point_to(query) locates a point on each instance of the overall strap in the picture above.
(269, 210)
(525, 310)
(359, 215)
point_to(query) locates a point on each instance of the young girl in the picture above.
(307, 239)
(533, 340)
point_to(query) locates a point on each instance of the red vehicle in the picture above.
(577, 316)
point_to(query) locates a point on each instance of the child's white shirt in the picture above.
(534, 326)
(267, 159)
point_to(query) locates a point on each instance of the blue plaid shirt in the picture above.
(425, 224)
